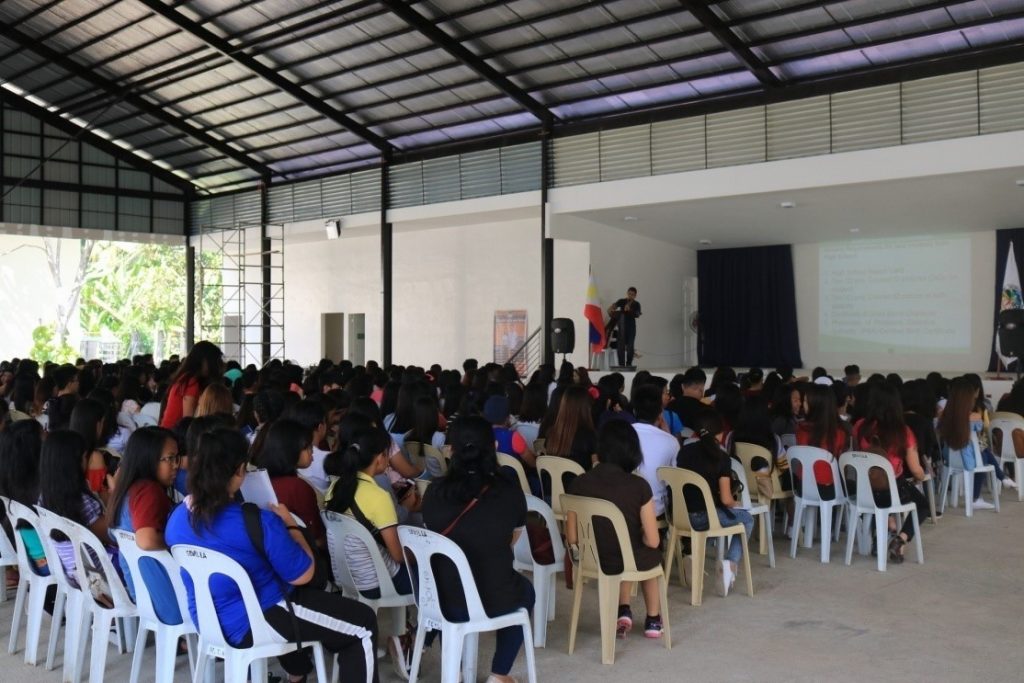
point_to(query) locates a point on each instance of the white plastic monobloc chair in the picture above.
(516, 465)
(459, 640)
(201, 565)
(802, 459)
(544, 575)
(165, 635)
(8, 555)
(862, 506)
(1006, 424)
(339, 529)
(556, 467)
(760, 512)
(31, 594)
(89, 550)
(957, 471)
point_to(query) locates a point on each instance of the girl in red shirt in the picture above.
(201, 366)
(824, 430)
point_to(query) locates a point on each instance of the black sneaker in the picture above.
(625, 622)
(653, 627)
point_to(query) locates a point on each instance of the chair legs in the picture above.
(33, 625)
(746, 564)
(608, 602)
(577, 600)
(417, 655)
(698, 550)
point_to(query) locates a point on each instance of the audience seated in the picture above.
(963, 415)
(288, 447)
(483, 512)
(658, 447)
(884, 431)
(351, 426)
(612, 478)
(706, 457)
(283, 568)
(572, 435)
(140, 504)
(356, 493)
(63, 490)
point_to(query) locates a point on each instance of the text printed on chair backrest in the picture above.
(587, 511)
(423, 545)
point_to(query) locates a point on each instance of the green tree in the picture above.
(45, 346)
(137, 293)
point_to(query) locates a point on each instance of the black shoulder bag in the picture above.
(254, 529)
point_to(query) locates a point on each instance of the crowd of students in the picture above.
(162, 451)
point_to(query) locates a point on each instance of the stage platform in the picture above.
(995, 385)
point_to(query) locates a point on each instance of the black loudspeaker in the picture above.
(563, 335)
(1011, 332)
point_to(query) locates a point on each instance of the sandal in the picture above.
(896, 549)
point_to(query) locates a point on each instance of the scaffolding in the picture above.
(240, 290)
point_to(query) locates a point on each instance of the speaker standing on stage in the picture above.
(625, 312)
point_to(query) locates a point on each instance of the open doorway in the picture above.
(332, 336)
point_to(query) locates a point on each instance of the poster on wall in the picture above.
(509, 335)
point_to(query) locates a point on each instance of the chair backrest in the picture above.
(556, 468)
(512, 462)
(686, 433)
(862, 463)
(746, 452)
(1005, 424)
(538, 446)
(45, 524)
(522, 550)
(420, 546)
(201, 565)
(89, 550)
(134, 556)
(414, 452)
(587, 510)
(24, 516)
(788, 440)
(676, 478)
(801, 463)
(737, 468)
(8, 553)
(341, 527)
(957, 460)
(436, 460)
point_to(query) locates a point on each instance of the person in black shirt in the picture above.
(626, 311)
(689, 405)
(706, 458)
(486, 534)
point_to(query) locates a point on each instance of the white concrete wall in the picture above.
(657, 269)
(454, 266)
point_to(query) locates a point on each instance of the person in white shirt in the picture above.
(657, 445)
(310, 413)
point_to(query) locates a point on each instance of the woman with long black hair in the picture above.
(485, 530)
(140, 503)
(211, 518)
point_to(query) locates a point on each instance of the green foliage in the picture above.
(45, 346)
(137, 293)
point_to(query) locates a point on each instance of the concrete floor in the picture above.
(955, 618)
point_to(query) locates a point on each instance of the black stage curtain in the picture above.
(747, 307)
(1003, 239)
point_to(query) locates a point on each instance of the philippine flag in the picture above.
(592, 312)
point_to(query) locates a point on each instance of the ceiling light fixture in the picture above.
(705, 242)
(787, 205)
(630, 218)
(854, 230)
(1020, 182)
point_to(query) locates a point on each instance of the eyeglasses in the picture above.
(171, 459)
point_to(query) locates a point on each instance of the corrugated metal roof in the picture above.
(187, 82)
